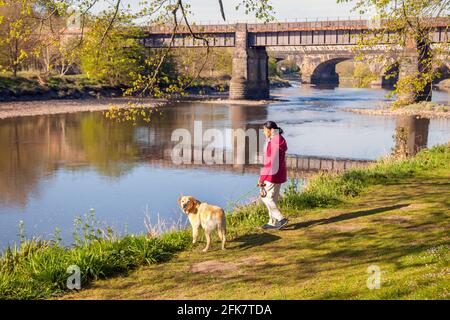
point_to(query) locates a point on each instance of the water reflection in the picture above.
(411, 135)
(32, 149)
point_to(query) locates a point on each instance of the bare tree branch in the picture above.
(222, 11)
(111, 22)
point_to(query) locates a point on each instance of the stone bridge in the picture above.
(318, 63)
(316, 47)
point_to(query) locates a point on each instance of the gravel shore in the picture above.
(423, 109)
(46, 107)
(394, 113)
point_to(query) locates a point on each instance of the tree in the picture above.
(16, 32)
(189, 62)
(114, 58)
(174, 12)
(54, 49)
(273, 68)
(104, 55)
(407, 24)
(68, 55)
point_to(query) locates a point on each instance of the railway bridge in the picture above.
(316, 47)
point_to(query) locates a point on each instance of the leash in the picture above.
(241, 197)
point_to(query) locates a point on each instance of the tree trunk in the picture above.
(425, 68)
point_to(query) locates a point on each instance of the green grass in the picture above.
(324, 253)
(38, 269)
(330, 189)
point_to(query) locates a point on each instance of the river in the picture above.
(54, 168)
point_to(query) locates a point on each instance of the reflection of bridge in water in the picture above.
(296, 164)
(156, 147)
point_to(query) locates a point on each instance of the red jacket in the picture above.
(274, 169)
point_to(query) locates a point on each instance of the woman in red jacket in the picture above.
(273, 174)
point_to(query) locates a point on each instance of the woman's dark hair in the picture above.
(272, 125)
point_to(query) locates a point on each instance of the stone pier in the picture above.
(250, 76)
(410, 66)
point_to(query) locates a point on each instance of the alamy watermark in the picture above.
(374, 279)
(217, 147)
(74, 279)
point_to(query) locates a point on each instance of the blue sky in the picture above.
(208, 10)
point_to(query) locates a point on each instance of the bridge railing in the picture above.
(310, 25)
(334, 23)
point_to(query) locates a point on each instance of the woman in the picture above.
(273, 174)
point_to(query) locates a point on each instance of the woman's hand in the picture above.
(262, 192)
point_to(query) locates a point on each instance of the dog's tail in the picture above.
(223, 230)
(224, 220)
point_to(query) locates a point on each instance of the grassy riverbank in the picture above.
(31, 87)
(394, 214)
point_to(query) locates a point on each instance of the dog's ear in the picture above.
(192, 204)
(179, 200)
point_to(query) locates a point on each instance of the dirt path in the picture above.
(322, 254)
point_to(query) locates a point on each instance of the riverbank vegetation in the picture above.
(355, 73)
(43, 44)
(29, 86)
(38, 268)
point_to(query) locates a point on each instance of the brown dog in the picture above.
(204, 215)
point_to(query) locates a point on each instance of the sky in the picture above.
(208, 10)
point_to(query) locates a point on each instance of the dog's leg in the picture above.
(194, 234)
(208, 240)
(223, 237)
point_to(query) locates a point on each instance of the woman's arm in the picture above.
(271, 160)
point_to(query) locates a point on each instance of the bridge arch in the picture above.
(325, 72)
(287, 65)
(443, 72)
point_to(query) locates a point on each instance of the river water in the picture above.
(55, 168)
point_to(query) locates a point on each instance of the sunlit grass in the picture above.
(327, 189)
